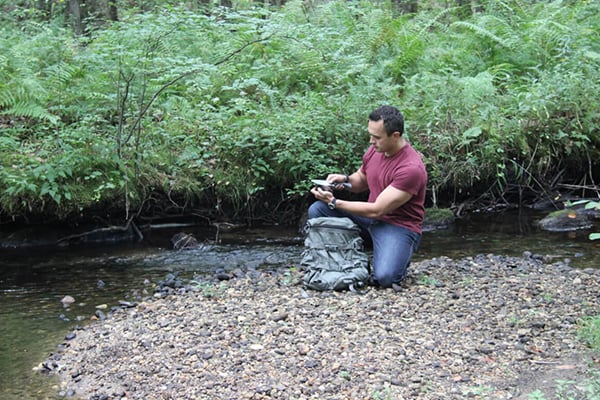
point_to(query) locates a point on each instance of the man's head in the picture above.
(393, 120)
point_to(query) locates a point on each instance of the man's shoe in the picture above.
(358, 288)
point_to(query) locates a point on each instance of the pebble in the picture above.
(457, 326)
(67, 300)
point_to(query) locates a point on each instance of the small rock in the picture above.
(67, 300)
(280, 316)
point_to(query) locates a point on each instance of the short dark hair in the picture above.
(393, 120)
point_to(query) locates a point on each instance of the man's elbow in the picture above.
(376, 214)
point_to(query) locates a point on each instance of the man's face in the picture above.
(378, 137)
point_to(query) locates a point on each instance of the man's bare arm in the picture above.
(390, 199)
(358, 180)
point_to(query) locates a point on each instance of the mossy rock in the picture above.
(438, 218)
(570, 219)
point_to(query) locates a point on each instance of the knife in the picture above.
(323, 183)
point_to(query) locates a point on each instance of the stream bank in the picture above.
(480, 327)
(34, 279)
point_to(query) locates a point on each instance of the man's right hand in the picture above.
(339, 180)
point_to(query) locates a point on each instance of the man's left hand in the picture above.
(323, 195)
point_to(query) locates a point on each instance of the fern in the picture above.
(483, 32)
(437, 21)
(204, 97)
(62, 73)
(593, 56)
(30, 110)
(7, 97)
(23, 91)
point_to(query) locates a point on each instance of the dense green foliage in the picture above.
(239, 107)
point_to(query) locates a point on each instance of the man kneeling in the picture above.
(395, 176)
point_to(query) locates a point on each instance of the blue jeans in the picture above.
(393, 246)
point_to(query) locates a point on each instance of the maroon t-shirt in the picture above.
(404, 171)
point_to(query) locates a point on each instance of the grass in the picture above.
(590, 333)
(382, 395)
(427, 280)
(209, 290)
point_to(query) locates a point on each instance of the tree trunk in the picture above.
(45, 6)
(112, 10)
(406, 6)
(76, 16)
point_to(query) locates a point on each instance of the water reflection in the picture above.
(511, 234)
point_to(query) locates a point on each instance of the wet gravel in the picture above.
(486, 327)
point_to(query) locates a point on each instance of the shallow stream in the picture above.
(33, 321)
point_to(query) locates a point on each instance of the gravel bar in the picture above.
(484, 327)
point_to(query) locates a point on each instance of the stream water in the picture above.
(33, 321)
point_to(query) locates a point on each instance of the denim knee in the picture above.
(318, 209)
(384, 279)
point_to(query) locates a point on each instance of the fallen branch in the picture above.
(112, 228)
(595, 188)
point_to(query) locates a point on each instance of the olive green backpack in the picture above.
(333, 256)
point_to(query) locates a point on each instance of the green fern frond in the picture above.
(592, 55)
(437, 21)
(547, 30)
(7, 98)
(504, 5)
(30, 88)
(30, 110)
(62, 72)
(482, 32)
